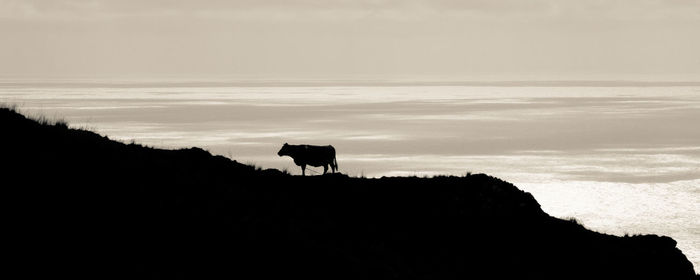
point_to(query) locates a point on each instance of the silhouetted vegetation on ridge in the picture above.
(80, 204)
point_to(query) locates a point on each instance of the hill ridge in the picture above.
(126, 209)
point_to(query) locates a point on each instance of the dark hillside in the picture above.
(81, 205)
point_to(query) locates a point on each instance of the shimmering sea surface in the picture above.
(618, 159)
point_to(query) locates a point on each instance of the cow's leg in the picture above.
(303, 170)
(325, 168)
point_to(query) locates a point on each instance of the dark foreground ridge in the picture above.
(81, 205)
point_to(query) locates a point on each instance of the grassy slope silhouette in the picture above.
(81, 204)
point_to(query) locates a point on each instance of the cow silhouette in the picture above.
(304, 155)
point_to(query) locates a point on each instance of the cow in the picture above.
(304, 155)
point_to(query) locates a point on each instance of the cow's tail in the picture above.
(335, 162)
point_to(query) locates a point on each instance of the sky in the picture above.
(455, 40)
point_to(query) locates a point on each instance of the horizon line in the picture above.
(60, 82)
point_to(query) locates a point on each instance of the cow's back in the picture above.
(319, 152)
(315, 155)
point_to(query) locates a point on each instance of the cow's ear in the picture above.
(285, 143)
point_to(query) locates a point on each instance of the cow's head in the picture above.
(284, 151)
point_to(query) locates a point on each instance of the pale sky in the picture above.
(352, 39)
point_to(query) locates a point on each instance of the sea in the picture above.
(620, 159)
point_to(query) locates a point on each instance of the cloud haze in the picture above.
(344, 39)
